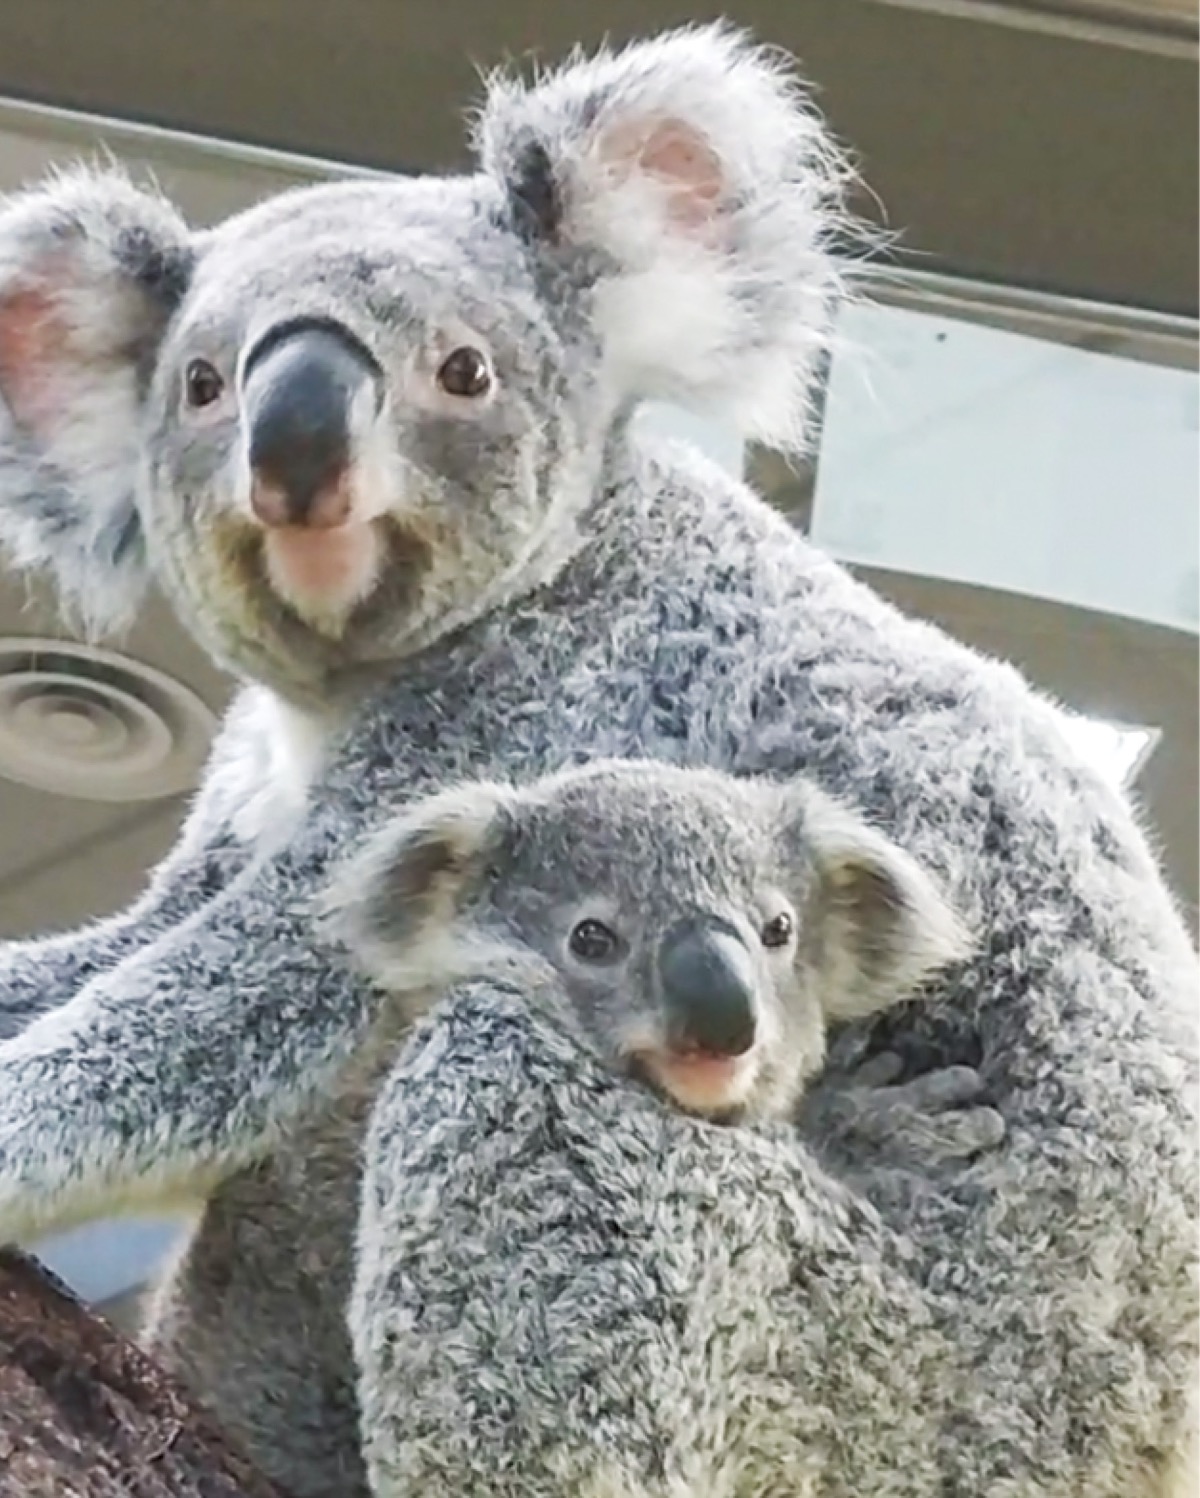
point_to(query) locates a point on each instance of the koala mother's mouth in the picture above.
(323, 573)
(327, 580)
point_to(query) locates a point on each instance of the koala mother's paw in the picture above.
(938, 1116)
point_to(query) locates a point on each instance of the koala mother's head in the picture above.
(348, 419)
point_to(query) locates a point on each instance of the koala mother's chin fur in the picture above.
(422, 580)
(324, 574)
(235, 605)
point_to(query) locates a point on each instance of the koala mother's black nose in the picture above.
(708, 987)
(301, 388)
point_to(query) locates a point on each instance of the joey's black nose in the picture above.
(708, 986)
(300, 389)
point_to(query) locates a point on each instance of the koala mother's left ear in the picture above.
(91, 270)
(689, 189)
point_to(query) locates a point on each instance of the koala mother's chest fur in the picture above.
(671, 658)
(252, 1314)
(620, 660)
(285, 751)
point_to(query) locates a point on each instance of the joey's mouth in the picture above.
(697, 1080)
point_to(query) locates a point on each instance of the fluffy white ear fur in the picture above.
(886, 928)
(395, 903)
(91, 269)
(697, 174)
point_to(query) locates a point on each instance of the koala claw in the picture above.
(878, 1071)
(948, 1087)
(956, 1136)
(934, 1116)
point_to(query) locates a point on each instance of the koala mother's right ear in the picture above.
(687, 190)
(91, 270)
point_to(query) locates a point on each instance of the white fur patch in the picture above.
(74, 319)
(285, 751)
(324, 573)
(699, 167)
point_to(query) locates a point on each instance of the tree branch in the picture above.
(86, 1414)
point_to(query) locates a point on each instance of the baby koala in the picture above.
(704, 930)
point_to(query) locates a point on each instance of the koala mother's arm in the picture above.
(40, 974)
(183, 1062)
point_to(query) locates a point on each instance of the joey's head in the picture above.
(348, 419)
(703, 931)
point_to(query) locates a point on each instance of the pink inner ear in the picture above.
(33, 342)
(680, 158)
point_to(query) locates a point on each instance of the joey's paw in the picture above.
(939, 1115)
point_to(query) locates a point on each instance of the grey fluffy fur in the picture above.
(686, 872)
(558, 1288)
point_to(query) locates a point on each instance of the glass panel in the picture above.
(102, 1260)
(989, 457)
(721, 444)
(1117, 749)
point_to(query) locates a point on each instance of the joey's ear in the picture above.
(91, 270)
(401, 890)
(874, 922)
(698, 180)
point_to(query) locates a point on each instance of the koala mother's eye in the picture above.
(465, 372)
(778, 931)
(592, 941)
(202, 385)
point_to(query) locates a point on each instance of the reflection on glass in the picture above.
(1117, 750)
(985, 456)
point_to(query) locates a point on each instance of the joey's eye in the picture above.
(465, 372)
(593, 941)
(778, 931)
(202, 385)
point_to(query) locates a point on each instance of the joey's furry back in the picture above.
(380, 443)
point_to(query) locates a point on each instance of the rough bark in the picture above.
(86, 1414)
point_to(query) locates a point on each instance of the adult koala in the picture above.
(377, 440)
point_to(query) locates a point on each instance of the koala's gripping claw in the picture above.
(937, 1116)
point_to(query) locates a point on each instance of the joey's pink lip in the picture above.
(305, 536)
(698, 1079)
